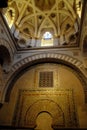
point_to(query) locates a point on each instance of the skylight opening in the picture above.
(47, 39)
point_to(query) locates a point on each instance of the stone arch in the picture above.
(20, 67)
(5, 44)
(5, 58)
(65, 58)
(53, 109)
(44, 121)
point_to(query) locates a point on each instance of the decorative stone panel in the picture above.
(47, 57)
(65, 58)
(58, 103)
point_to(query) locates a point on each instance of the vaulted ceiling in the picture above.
(30, 19)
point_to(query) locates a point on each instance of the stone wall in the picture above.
(64, 100)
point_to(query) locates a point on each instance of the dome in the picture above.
(31, 19)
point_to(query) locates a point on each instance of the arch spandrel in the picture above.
(43, 58)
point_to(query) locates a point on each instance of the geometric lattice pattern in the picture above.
(46, 79)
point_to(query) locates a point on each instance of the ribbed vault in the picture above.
(30, 19)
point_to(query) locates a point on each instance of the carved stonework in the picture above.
(59, 103)
(47, 79)
(77, 66)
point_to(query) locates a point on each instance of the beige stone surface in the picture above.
(65, 79)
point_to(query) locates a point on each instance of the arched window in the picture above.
(47, 35)
(47, 39)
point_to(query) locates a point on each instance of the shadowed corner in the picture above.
(3, 3)
(1, 105)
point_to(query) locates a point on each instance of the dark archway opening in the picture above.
(5, 59)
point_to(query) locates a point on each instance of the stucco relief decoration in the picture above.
(31, 19)
(60, 104)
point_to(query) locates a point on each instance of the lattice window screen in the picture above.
(46, 79)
